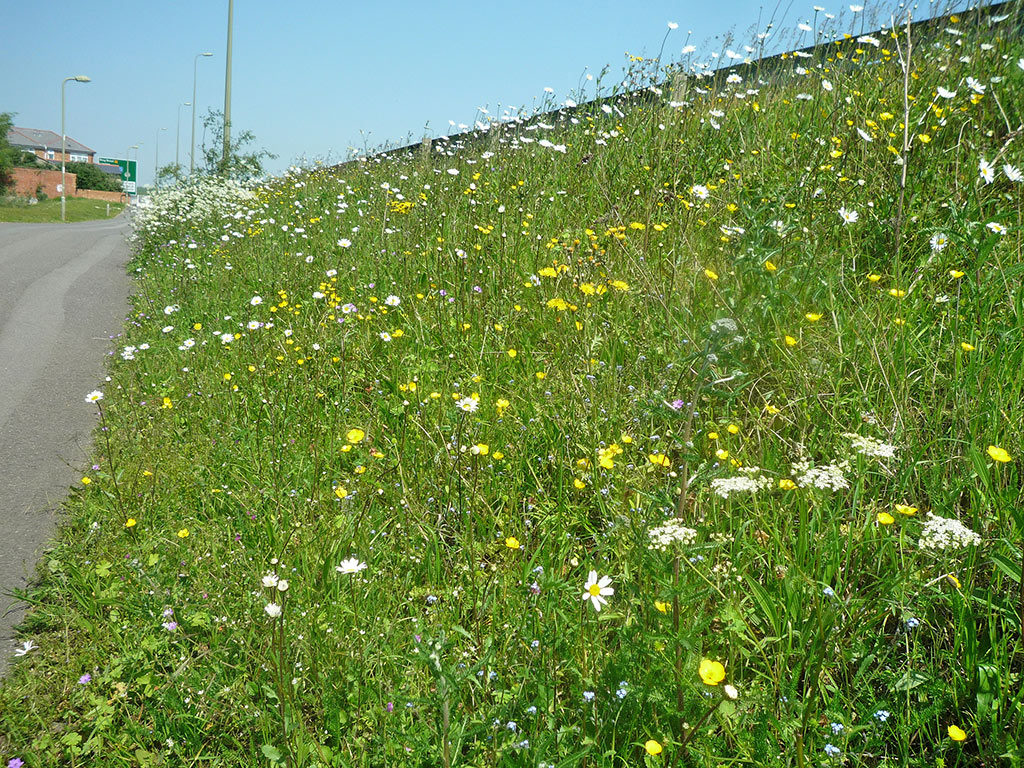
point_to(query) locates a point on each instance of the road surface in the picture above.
(63, 296)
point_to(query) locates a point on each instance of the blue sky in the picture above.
(311, 78)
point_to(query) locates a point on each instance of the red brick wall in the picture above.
(27, 180)
(98, 194)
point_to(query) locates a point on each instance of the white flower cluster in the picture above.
(205, 202)
(827, 477)
(749, 481)
(947, 533)
(671, 533)
(868, 446)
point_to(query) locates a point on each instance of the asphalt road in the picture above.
(63, 296)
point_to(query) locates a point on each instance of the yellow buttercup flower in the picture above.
(355, 435)
(661, 606)
(966, 347)
(711, 672)
(770, 266)
(652, 747)
(183, 533)
(786, 484)
(813, 316)
(790, 341)
(512, 542)
(130, 522)
(904, 509)
(956, 733)
(885, 518)
(711, 275)
(659, 460)
(998, 454)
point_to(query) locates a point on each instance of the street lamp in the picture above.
(156, 161)
(63, 141)
(227, 91)
(192, 151)
(177, 139)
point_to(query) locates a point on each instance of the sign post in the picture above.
(129, 172)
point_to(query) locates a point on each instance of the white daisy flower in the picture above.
(596, 590)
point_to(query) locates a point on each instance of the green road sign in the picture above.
(129, 172)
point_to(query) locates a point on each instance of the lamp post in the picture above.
(156, 161)
(192, 151)
(64, 141)
(177, 139)
(227, 91)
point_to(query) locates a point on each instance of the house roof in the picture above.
(36, 138)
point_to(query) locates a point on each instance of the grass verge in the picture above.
(48, 211)
(680, 429)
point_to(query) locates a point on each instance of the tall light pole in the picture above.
(156, 161)
(192, 151)
(177, 140)
(227, 90)
(64, 141)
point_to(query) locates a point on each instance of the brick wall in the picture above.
(27, 180)
(98, 194)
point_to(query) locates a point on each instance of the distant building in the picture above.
(46, 145)
(113, 170)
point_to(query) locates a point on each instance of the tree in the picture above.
(8, 155)
(240, 162)
(91, 177)
(170, 173)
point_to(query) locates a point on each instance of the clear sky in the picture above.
(312, 78)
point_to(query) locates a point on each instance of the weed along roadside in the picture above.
(652, 430)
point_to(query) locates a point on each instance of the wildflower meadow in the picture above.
(677, 424)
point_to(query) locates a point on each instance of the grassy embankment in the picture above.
(787, 321)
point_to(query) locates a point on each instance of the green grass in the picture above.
(586, 345)
(48, 211)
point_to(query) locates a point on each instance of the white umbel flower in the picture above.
(672, 532)
(749, 481)
(943, 533)
(868, 446)
(827, 477)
